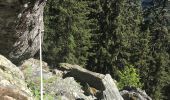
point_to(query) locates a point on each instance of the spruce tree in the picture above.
(118, 22)
(67, 34)
(157, 73)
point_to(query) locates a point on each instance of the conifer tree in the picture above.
(67, 36)
(157, 72)
(109, 35)
(118, 22)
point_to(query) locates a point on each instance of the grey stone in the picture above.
(103, 83)
(134, 94)
(12, 82)
(20, 28)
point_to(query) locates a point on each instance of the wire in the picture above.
(41, 66)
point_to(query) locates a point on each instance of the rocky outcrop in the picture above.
(66, 82)
(131, 93)
(55, 86)
(103, 83)
(12, 82)
(21, 23)
(71, 82)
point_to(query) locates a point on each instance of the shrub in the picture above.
(129, 77)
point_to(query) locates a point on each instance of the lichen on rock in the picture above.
(21, 24)
(12, 82)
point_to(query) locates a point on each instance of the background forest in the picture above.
(128, 39)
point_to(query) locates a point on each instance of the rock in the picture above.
(134, 94)
(54, 85)
(58, 73)
(104, 83)
(32, 70)
(21, 24)
(64, 98)
(12, 82)
(66, 88)
(68, 82)
(72, 82)
(111, 90)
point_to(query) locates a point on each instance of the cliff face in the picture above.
(21, 22)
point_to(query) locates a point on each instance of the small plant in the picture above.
(129, 77)
(48, 97)
(35, 89)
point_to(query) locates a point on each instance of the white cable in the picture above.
(41, 66)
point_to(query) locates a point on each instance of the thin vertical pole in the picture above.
(41, 66)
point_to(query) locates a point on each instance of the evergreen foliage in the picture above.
(157, 74)
(67, 35)
(112, 36)
(116, 36)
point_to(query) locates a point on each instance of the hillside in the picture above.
(66, 82)
(91, 49)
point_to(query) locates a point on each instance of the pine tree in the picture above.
(67, 37)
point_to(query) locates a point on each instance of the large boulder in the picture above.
(21, 23)
(12, 82)
(103, 87)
